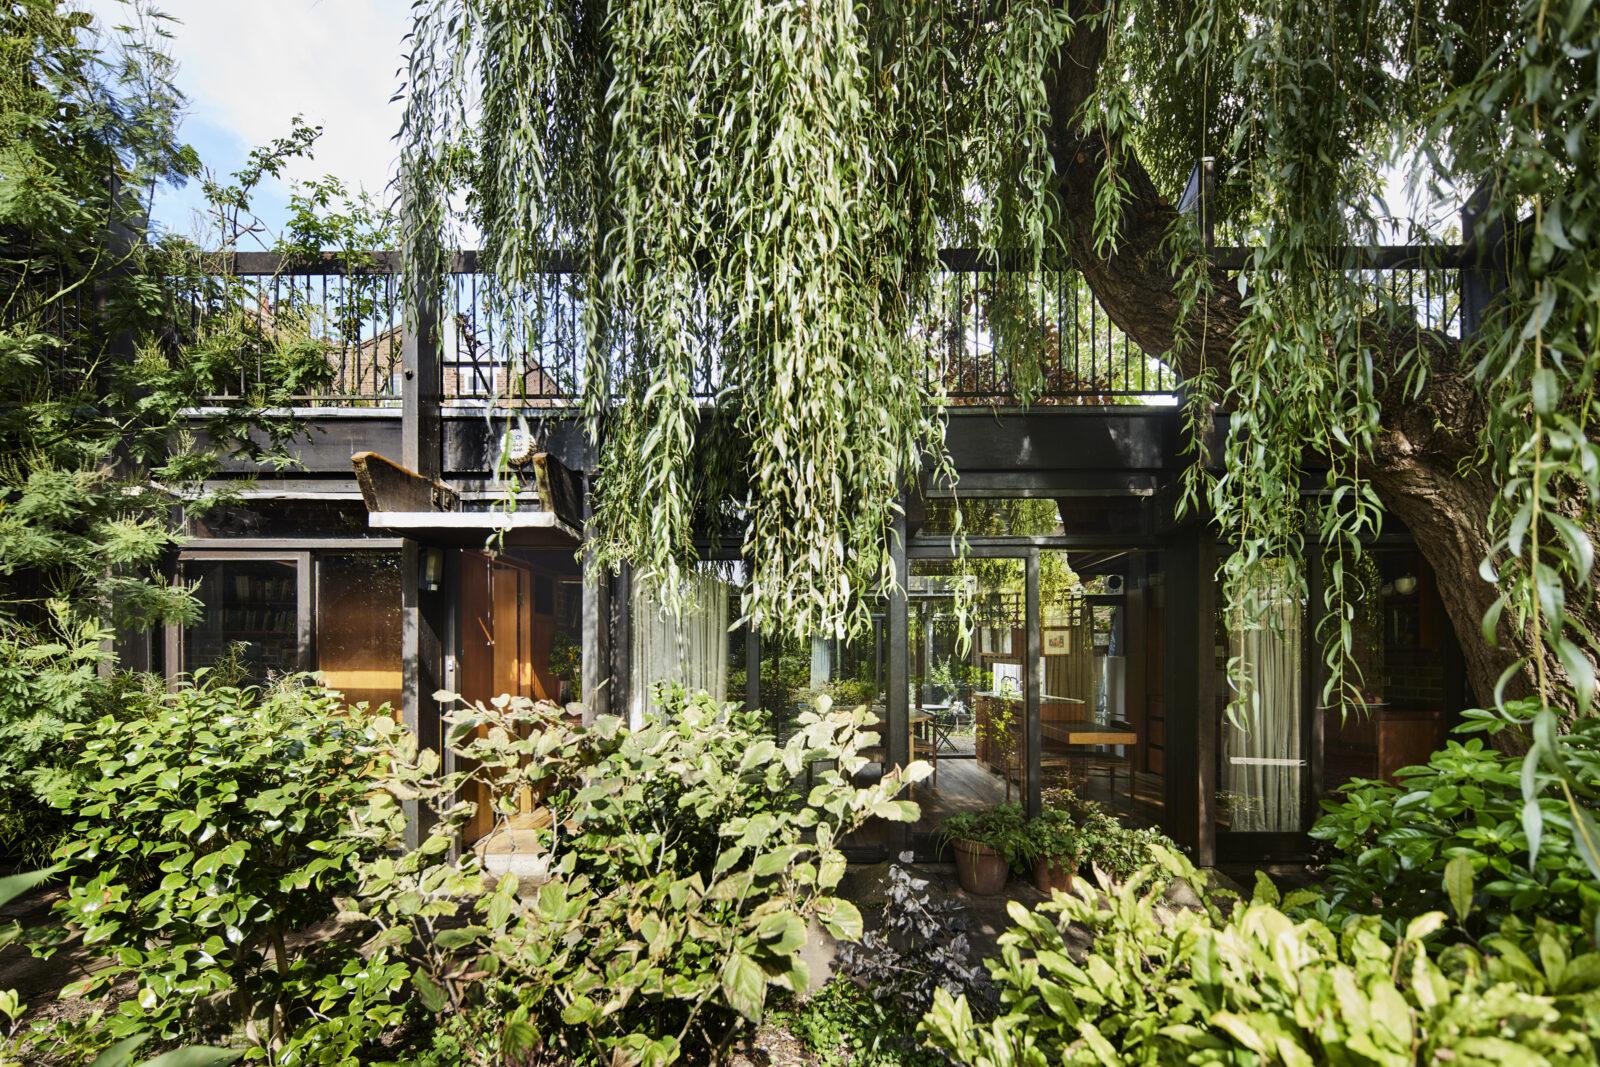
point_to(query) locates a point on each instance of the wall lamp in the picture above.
(432, 568)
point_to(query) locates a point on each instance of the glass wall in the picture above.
(335, 611)
(1262, 733)
(358, 624)
(967, 705)
(1092, 717)
(1406, 667)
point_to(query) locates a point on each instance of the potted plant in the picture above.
(985, 844)
(1053, 844)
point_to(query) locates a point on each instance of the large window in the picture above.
(252, 622)
(335, 611)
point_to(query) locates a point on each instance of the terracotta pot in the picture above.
(1050, 874)
(979, 868)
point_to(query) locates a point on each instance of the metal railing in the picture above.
(1002, 336)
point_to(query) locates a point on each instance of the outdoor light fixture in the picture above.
(1406, 585)
(432, 568)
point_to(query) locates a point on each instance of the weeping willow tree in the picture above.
(760, 188)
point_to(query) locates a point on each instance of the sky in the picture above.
(249, 66)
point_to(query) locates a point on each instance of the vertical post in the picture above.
(596, 641)
(421, 433)
(1205, 688)
(1483, 277)
(897, 746)
(1189, 561)
(424, 624)
(621, 686)
(1034, 650)
(752, 667)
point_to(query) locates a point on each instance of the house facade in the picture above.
(428, 538)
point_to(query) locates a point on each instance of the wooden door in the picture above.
(496, 647)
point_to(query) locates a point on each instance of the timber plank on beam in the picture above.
(387, 486)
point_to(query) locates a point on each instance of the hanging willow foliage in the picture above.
(756, 193)
(1322, 104)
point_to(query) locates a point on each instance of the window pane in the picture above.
(358, 625)
(249, 614)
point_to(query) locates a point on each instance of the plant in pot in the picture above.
(985, 843)
(1055, 846)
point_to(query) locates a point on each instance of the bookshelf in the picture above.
(253, 603)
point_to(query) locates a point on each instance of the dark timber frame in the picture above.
(1085, 447)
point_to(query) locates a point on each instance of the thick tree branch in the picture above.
(1417, 469)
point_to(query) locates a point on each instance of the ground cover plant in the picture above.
(1263, 981)
(845, 1025)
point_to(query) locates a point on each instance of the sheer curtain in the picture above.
(1262, 741)
(691, 650)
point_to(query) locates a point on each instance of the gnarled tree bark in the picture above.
(1426, 440)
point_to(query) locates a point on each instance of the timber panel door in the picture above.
(496, 647)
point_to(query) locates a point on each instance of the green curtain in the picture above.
(1263, 766)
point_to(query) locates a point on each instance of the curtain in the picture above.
(1262, 765)
(691, 650)
(1072, 675)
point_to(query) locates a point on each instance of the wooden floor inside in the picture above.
(964, 784)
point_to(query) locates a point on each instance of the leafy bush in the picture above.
(1167, 985)
(679, 877)
(918, 946)
(1101, 839)
(49, 677)
(1395, 843)
(847, 1027)
(1053, 835)
(1118, 850)
(212, 823)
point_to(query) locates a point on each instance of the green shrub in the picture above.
(212, 823)
(49, 678)
(1163, 985)
(1101, 839)
(1054, 835)
(680, 878)
(1394, 843)
(845, 1027)
(1118, 850)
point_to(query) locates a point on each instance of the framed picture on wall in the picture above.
(1057, 641)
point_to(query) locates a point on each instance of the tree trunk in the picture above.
(1424, 439)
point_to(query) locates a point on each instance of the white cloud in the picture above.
(249, 66)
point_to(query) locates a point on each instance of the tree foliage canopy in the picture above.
(761, 186)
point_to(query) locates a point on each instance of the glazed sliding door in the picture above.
(972, 709)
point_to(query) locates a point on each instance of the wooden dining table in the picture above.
(1082, 740)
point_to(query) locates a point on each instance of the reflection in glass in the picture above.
(358, 625)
